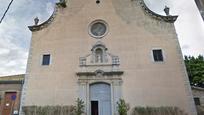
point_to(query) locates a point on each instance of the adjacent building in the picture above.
(198, 94)
(10, 93)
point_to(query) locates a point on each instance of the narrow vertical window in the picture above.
(157, 55)
(46, 59)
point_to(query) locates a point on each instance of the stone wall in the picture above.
(198, 93)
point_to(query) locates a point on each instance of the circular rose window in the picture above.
(98, 29)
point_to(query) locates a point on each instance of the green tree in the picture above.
(195, 69)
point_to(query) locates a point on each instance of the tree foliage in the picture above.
(123, 107)
(195, 69)
(79, 107)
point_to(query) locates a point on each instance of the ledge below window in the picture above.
(110, 73)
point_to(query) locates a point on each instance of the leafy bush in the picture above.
(157, 111)
(80, 107)
(49, 110)
(55, 110)
(122, 107)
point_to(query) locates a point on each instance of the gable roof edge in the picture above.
(169, 18)
(45, 24)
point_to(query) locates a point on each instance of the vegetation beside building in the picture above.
(78, 109)
(195, 69)
(157, 111)
(49, 110)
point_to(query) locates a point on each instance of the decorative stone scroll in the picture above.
(37, 27)
(168, 18)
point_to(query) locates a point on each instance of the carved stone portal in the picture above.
(99, 67)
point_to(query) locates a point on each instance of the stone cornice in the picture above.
(110, 73)
(169, 18)
(12, 82)
(13, 79)
(45, 24)
(197, 88)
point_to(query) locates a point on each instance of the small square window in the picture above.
(157, 55)
(197, 101)
(46, 59)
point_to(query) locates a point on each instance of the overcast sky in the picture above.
(15, 36)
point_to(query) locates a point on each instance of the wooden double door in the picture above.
(8, 103)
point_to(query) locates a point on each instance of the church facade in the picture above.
(104, 50)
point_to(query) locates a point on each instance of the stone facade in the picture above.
(125, 60)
